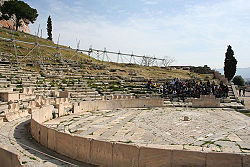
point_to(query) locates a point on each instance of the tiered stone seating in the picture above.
(81, 85)
(71, 80)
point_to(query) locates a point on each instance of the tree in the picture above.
(230, 64)
(238, 80)
(167, 61)
(49, 28)
(20, 9)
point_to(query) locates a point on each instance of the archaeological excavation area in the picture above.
(52, 128)
(60, 112)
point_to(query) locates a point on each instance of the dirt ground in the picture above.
(246, 99)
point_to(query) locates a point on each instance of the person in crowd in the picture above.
(149, 84)
(244, 91)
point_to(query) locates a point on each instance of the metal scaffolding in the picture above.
(102, 55)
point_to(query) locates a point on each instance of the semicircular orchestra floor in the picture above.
(203, 129)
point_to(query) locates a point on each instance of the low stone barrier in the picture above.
(28, 93)
(116, 154)
(206, 101)
(14, 112)
(9, 96)
(9, 158)
(60, 94)
(13, 107)
(10, 116)
(42, 114)
(116, 97)
(114, 104)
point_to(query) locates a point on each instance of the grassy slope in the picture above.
(122, 69)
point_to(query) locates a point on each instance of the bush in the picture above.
(19, 86)
(64, 81)
(238, 80)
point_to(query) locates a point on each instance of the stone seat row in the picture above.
(118, 97)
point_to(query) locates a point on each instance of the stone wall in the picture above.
(9, 158)
(9, 96)
(114, 104)
(206, 101)
(28, 93)
(105, 153)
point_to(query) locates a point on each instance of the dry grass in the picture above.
(122, 69)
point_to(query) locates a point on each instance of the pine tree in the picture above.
(230, 64)
(20, 9)
(49, 28)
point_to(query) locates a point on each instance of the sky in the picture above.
(193, 32)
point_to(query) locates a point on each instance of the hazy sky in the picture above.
(194, 32)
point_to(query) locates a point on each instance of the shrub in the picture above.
(238, 80)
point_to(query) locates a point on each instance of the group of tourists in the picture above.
(190, 88)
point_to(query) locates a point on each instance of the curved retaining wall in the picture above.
(112, 154)
(9, 158)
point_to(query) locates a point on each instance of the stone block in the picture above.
(55, 93)
(9, 96)
(32, 104)
(61, 110)
(42, 102)
(104, 97)
(188, 158)
(13, 107)
(206, 101)
(52, 139)
(125, 155)
(30, 91)
(64, 144)
(155, 157)
(42, 114)
(23, 113)
(38, 104)
(66, 100)
(58, 100)
(76, 108)
(64, 94)
(9, 158)
(115, 97)
(44, 135)
(25, 90)
(47, 101)
(39, 98)
(81, 146)
(10, 116)
(101, 153)
(246, 160)
(223, 159)
(35, 130)
(13, 96)
(5, 157)
(23, 96)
